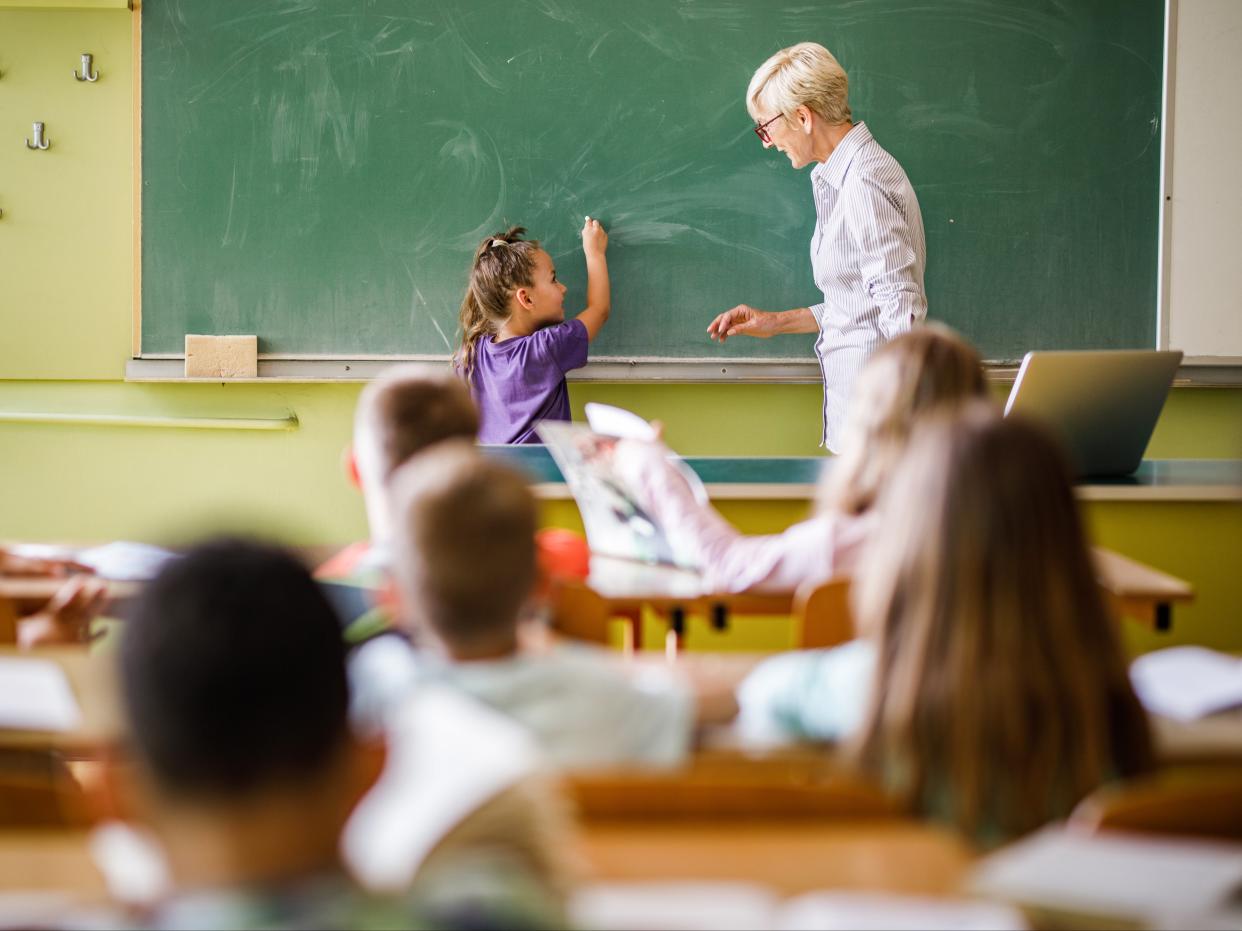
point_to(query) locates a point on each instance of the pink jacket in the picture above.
(814, 550)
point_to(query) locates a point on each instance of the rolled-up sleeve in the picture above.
(878, 222)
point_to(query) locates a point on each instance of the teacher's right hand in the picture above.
(743, 320)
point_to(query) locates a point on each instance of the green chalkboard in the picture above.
(318, 172)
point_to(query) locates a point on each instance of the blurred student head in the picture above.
(927, 369)
(1001, 696)
(399, 414)
(233, 681)
(464, 549)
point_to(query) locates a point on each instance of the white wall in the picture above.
(1204, 182)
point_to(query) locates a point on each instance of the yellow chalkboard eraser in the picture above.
(221, 356)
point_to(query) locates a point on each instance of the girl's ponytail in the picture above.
(502, 264)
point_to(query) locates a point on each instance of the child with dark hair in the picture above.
(233, 679)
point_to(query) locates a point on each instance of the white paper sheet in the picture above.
(618, 422)
(35, 696)
(125, 562)
(1115, 876)
(120, 561)
(873, 911)
(1186, 683)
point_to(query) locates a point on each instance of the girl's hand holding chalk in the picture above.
(594, 238)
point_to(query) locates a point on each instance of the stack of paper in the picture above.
(35, 696)
(118, 562)
(1114, 877)
(1186, 683)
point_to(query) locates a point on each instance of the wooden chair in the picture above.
(579, 613)
(822, 614)
(1203, 803)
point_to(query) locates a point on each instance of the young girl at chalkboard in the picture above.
(516, 344)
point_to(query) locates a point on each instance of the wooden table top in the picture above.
(789, 856)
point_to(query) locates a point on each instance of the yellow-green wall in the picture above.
(66, 292)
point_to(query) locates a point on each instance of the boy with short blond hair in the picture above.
(399, 414)
(464, 557)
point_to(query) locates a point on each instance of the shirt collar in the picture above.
(833, 171)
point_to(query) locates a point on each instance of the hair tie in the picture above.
(497, 242)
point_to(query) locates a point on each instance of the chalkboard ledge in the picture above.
(605, 369)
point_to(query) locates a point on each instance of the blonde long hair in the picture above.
(926, 369)
(1001, 695)
(502, 264)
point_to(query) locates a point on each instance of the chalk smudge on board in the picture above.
(477, 65)
(477, 150)
(730, 16)
(554, 9)
(596, 44)
(416, 299)
(228, 222)
(662, 42)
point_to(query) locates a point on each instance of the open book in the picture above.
(615, 520)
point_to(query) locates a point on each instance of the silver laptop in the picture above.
(1104, 404)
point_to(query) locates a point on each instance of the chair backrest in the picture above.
(8, 622)
(578, 612)
(1205, 803)
(822, 614)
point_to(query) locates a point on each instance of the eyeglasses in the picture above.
(761, 130)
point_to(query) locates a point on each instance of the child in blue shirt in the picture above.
(516, 344)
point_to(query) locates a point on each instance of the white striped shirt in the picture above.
(868, 254)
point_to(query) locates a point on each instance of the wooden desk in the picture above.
(24, 595)
(92, 677)
(1140, 592)
(796, 477)
(30, 589)
(1184, 515)
(902, 857)
(50, 861)
(1134, 590)
(790, 857)
(1216, 739)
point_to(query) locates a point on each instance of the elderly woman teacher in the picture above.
(868, 250)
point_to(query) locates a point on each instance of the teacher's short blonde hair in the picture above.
(803, 74)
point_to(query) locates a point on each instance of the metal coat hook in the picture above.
(86, 74)
(39, 141)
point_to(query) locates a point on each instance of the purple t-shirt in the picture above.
(521, 381)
